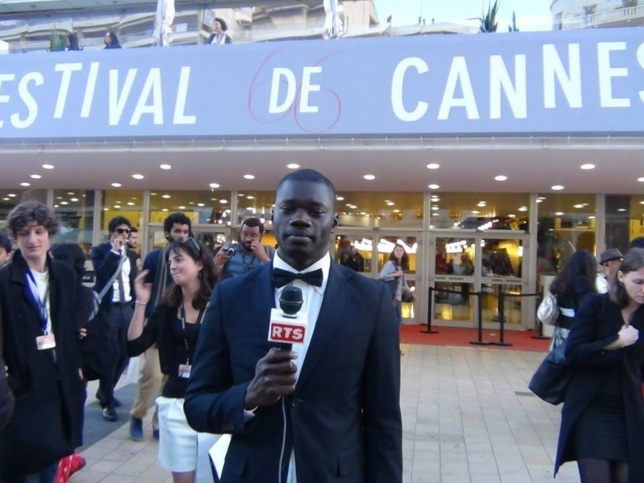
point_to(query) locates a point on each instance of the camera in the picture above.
(229, 249)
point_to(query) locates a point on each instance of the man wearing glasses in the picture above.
(248, 254)
(113, 261)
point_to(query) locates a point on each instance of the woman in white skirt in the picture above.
(174, 327)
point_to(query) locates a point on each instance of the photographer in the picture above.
(234, 260)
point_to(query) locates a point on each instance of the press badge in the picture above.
(184, 371)
(44, 342)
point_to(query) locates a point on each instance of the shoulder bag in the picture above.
(551, 379)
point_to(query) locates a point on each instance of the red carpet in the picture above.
(454, 336)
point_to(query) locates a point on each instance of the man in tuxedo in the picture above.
(326, 410)
(116, 307)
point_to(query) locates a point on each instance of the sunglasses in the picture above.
(123, 231)
(191, 244)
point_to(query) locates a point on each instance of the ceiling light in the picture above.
(339, 198)
(164, 209)
(539, 200)
(481, 204)
(64, 203)
(433, 186)
(25, 184)
(501, 177)
(292, 166)
(369, 177)
(223, 202)
(165, 166)
(511, 215)
(559, 213)
(591, 217)
(138, 176)
(47, 166)
(523, 208)
(166, 197)
(557, 187)
(622, 209)
(201, 205)
(396, 211)
(214, 185)
(70, 193)
(35, 176)
(7, 199)
(55, 206)
(475, 212)
(117, 207)
(182, 207)
(578, 206)
(249, 176)
(641, 180)
(249, 197)
(391, 203)
(11, 195)
(435, 208)
(116, 185)
(74, 199)
(587, 166)
(433, 166)
(130, 203)
(641, 202)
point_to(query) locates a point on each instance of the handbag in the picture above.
(548, 310)
(551, 379)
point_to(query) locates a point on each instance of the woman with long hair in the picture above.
(602, 421)
(394, 272)
(111, 40)
(576, 280)
(174, 326)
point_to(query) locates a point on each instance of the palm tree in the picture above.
(513, 27)
(488, 20)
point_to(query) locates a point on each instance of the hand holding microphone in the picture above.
(276, 373)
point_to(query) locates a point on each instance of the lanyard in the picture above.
(41, 304)
(183, 326)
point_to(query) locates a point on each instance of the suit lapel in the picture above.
(334, 303)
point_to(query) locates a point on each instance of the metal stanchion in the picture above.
(430, 313)
(501, 341)
(479, 316)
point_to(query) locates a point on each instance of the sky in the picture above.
(531, 14)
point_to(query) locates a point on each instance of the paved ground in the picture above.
(467, 413)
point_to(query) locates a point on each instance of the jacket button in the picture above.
(296, 402)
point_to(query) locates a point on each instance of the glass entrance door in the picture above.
(468, 268)
(367, 251)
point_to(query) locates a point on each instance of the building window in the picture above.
(202, 207)
(481, 211)
(75, 211)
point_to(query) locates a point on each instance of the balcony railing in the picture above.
(623, 16)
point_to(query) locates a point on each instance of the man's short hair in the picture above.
(32, 211)
(176, 218)
(5, 242)
(253, 222)
(134, 229)
(637, 242)
(310, 176)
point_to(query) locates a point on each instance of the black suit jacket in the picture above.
(343, 419)
(105, 263)
(6, 398)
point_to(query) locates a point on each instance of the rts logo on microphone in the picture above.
(287, 333)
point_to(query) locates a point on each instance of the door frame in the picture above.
(477, 279)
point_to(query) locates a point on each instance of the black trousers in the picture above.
(118, 320)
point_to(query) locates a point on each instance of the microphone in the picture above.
(288, 326)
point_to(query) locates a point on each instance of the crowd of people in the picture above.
(200, 321)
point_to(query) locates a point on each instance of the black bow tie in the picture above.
(284, 277)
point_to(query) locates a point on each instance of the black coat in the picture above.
(596, 325)
(572, 300)
(47, 422)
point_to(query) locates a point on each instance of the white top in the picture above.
(125, 276)
(312, 297)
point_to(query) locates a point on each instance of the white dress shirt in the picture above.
(312, 297)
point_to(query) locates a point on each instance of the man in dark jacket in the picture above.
(114, 259)
(37, 307)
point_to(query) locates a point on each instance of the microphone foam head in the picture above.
(291, 300)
